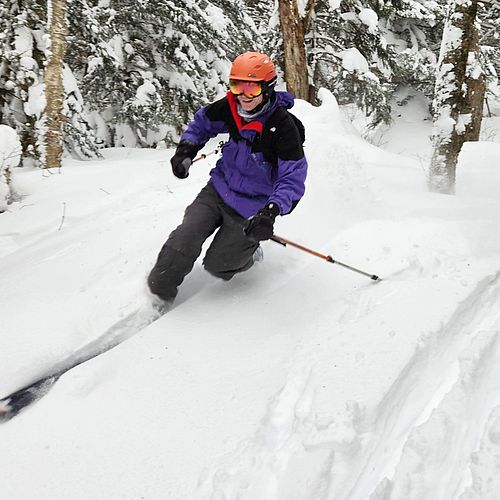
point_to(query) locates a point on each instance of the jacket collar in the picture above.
(255, 125)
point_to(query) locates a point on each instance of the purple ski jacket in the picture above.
(259, 164)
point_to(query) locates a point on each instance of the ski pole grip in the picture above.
(278, 240)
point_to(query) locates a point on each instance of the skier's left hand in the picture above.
(260, 226)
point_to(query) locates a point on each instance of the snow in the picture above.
(452, 38)
(297, 379)
(474, 67)
(36, 100)
(444, 123)
(181, 81)
(216, 17)
(353, 60)
(144, 93)
(10, 148)
(370, 18)
(10, 156)
(462, 122)
(70, 84)
(115, 48)
(93, 64)
(23, 41)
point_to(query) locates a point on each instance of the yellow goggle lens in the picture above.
(250, 89)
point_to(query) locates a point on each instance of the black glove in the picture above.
(260, 226)
(183, 158)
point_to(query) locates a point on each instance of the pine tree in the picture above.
(349, 55)
(415, 29)
(265, 15)
(159, 61)
(22, 91)
(489, 39)
(10, 155)
(22, 25)
(363, 50)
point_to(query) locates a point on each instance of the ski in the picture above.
(11, 405)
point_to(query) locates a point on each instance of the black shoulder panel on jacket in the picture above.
(281, 138)
(220, 111)
(288, 141)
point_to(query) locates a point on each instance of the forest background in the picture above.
(134, 72)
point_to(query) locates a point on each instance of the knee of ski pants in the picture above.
(224, 270)
(217, 271)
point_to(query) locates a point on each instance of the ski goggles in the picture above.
(250, 89)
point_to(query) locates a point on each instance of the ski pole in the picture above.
(215, 151)
(328, 258)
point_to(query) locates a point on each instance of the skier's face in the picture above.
(249, 103)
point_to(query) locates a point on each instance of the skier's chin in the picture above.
(248, 104)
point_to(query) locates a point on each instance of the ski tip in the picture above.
(374, 277)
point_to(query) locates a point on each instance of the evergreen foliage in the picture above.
(414, 29)
(362, 50)
(158, 59)
(137, 70)
(21, 81)
(141, 68)
(489, 15)
(22, 100)
(350, 56)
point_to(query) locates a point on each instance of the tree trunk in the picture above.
(476, 90)
(54, 90)
(293, 32)
(459, 94)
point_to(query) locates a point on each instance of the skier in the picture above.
(259, 176)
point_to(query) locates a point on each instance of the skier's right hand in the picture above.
(183, 158)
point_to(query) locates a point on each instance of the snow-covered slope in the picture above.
(297, 380)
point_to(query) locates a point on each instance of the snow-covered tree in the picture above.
(21, 79)
(414, 28)
(135, 71)
(23, 47)
(454, 98)
(161, 60)
(489, 40)
(350, 56)
(10, 156)
(362, 50)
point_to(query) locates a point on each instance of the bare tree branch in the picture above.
(311, 4)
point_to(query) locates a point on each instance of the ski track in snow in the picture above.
(416, 434)
(419, 394)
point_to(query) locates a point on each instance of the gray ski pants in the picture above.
(230, 252)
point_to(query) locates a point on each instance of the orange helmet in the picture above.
(253, 67)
